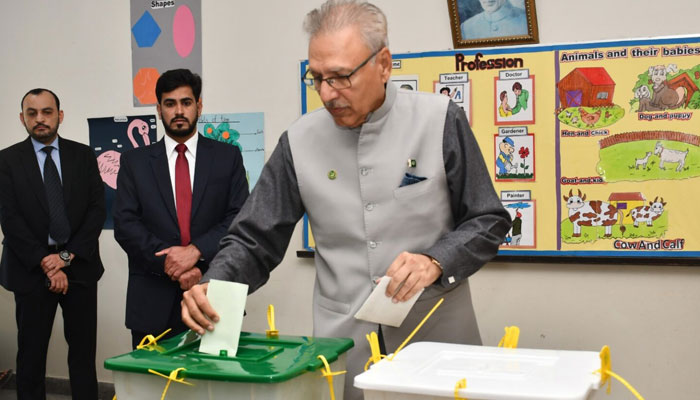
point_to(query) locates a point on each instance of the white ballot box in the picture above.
(427, 371)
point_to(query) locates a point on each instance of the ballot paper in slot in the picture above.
(228, 299)
(379, 308)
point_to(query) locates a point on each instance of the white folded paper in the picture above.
(228, 299)
(380, 309)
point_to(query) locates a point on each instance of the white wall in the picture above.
(81, 49)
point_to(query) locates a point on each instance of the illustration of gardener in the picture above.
(505, 158)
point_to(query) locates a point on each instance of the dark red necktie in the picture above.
(183, 194)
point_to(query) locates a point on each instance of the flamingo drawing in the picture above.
(109, 161)
(143, 129)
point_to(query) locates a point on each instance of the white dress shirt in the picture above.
(190, 154)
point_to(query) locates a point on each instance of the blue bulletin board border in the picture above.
(516, 49)
(651, 257)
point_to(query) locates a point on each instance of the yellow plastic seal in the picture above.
(510, 339)
(172, 377)
(416, 330)
(376, 355)
(272, 332)
(328, 374)
(461, 384)
(149, 342)
(605, 367)
(605, 372)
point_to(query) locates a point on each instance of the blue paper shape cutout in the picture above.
(146, 30)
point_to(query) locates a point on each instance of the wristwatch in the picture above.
(65, 256)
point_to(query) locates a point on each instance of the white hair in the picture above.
(335, 15)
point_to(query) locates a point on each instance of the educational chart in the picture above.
(244, 130)
(594, 149)
(165, 34)
(109, 138)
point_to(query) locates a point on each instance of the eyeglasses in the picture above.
(336, 82)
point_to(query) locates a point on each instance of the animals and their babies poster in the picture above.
(594, 148)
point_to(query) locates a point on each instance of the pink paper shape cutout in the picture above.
(183, 31)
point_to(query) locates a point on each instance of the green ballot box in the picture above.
(283, 367)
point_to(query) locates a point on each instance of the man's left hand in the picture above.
(52, 264)
(416, 271)
(179, 259)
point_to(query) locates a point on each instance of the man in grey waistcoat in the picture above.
(393, 183)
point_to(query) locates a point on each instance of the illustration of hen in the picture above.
(589, 118)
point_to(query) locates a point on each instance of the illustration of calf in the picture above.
(670, 156)
(647, 213)
(590, 213)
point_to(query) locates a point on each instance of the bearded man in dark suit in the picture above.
(51, 210)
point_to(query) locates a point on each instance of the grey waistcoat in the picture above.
(361, 220)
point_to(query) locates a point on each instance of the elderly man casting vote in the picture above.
(393, 183)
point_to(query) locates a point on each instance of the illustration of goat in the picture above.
(670, 156)
(642, 161)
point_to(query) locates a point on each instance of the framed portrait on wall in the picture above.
(483, 23)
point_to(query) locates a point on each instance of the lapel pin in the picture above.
(332, 174)
(412, 163)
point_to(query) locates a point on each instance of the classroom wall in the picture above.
(251, 51)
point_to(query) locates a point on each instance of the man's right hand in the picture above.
(52, 263)
(197, 313)
(59, 282)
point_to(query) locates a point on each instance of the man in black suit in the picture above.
(51, 210)
(168, 223)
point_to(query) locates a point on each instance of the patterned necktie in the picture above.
(59, 227)
(183, 194)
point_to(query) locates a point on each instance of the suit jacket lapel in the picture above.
(159, 164)
(68, 170)
(31, 168)
(202, 168)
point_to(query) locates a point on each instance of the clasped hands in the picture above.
(180, 264)
(58, 281)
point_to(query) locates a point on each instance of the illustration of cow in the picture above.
(670, 156)
(590, 213)
(647, 213)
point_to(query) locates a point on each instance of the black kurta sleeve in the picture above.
(259, 235)
(480, 221)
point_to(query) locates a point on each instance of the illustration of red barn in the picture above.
(588, 87)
